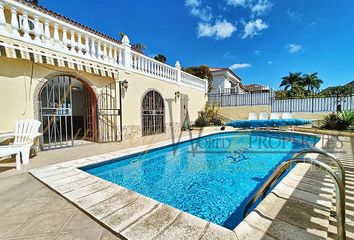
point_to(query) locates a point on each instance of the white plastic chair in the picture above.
(25, 132)
(286, 116)
(263, 116)
(275, 116)
(252, 116)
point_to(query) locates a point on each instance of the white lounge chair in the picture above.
(275, 116)
(25, 132)
(252, 116)
(263, 116)
(286, 116)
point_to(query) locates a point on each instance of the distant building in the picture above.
(256, 88)
(224, 79)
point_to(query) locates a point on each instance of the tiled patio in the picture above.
(30, 210)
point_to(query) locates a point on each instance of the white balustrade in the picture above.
(14, 22)
(56, 35)
(65, 39)
(72, 41)
(45, 30)
(2, 19)
(47, 33)
(37, 30)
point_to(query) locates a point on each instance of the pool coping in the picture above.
(126, 213)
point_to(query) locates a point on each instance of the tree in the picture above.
(137, 46)
(311, 82)
(202, 71)
(161, 58)
(292, 83)
(338, 90)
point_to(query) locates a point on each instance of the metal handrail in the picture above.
(340, 191)
(336, 161)
(330, 156)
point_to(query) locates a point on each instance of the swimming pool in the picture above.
(211, 177)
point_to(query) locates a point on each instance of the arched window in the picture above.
(153, 113)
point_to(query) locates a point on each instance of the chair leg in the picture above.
(18, 161)
(25, 154)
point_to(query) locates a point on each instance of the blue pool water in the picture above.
(211, 177)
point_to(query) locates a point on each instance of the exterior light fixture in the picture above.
(177, 94)
(125, 85)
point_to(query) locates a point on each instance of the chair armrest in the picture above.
(8, 134)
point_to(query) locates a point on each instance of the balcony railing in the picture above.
(38, 26)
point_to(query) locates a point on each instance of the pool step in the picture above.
(297, 208)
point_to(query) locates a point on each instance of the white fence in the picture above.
(310, 104)
(38, 26)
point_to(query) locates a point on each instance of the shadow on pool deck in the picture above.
(301, 210)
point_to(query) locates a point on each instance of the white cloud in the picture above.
(253, 28)
(219, 30)
(235, 3)
(257, 52)
(261, 7)
(270, 62)
(196, 10)
(293, 48)
(295, 16)
(193, 3)
(239, 66)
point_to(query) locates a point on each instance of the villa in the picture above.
(82, 84)
(128, 147)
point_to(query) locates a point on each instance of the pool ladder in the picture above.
(338, 178)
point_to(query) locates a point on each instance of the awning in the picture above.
(12, 50)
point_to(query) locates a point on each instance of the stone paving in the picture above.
(298, 208)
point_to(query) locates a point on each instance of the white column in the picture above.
(47, 33)
(120, 56)
(93, 48)
(56, 35)
(79, 43)
(115, 56)
(110, 55)
(99, 50)
(65, 39)
(178, 75)
(72, 41)
(105, 52)
(87, 45)
(2, 20)
(25, 26)
(127, 54)
(37, 30)
(14, 22)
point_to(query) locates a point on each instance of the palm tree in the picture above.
(137, 46)
(292, 82)
(311, 82)
(161, 58)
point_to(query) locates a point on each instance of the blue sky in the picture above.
(262, 40)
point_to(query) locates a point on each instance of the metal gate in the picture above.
(153, 113)
(56, 113)
(109, 113)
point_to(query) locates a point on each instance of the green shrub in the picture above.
(339, 121)
(201, 121)
(347, 119)
(216, 121)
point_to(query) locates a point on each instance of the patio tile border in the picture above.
(129, 214)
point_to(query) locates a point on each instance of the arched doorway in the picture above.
(68, 112)
(153, 113)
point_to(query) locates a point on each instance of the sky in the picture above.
(260, 40)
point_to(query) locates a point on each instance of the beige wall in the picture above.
(241, 112)
(17, 91)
